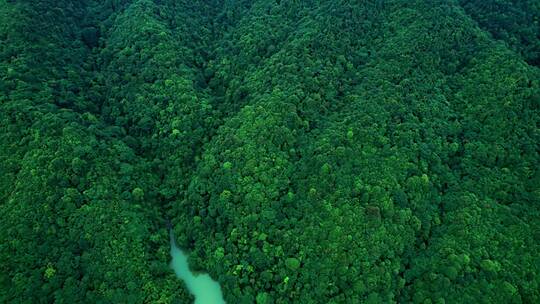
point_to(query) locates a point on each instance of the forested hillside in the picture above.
(302, 151)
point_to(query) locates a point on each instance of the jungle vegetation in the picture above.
(308, 151)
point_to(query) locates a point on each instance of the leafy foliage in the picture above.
(304, 151)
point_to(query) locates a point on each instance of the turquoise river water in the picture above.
(204, 289)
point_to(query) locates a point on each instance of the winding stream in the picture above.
(202, 287)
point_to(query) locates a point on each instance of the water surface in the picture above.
(204, 289)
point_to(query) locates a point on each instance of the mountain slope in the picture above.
(303, 151)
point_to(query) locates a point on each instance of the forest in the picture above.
(315, 151)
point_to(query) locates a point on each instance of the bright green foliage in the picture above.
(303, 151)
(292, 263)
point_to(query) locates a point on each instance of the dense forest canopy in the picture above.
(302, 151)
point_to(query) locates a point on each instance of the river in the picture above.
(202, 287)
